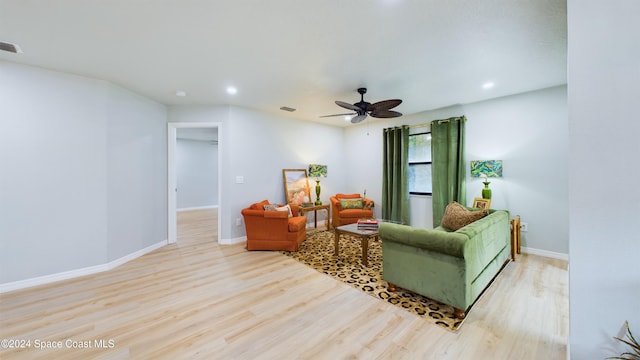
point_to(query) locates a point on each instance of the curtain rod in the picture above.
(444, 121)
(421, 125)
(429, 123)
(417, 125)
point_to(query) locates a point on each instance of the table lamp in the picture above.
(486, 169)
(318, 171)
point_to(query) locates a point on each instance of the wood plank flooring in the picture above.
(200, 300)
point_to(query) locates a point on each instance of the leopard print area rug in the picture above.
(317, 252)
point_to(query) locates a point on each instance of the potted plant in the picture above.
(634, 353)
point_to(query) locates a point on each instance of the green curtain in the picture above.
(448, 166)
(395, 177)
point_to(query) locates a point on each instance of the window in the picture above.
(420, 164)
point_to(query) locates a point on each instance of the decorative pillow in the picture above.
(286, 208)
(259, 205)
(351, 203)
(457, 216)
(269, 207)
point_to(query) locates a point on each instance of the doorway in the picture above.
(172, 188)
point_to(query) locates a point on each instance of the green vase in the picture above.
(486, 192)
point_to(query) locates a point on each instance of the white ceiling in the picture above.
(298, 53)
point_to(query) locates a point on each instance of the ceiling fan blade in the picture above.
(347, 105)
(357, 119)
(348, 114)
(384, 105)
(385, 114)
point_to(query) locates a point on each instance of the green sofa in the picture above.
(452, 267)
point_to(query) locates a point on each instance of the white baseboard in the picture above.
(65, 275)
(237, 240)
(545, 253)
(198, 208)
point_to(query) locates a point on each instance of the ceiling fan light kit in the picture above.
(380, 109)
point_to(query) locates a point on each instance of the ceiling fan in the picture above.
(381, 109)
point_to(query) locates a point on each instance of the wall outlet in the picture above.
(524, 227)
(238, 222)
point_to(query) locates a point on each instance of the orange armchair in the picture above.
(272, 229)
(340, 216)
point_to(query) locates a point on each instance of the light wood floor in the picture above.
(197, 299)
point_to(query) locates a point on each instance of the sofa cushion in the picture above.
(434, 241)
(457, 216)
(348, 196)
(259, 205)
(297, 223)
(351, 203)
(270, 207)
(286, 208)
(356, 213)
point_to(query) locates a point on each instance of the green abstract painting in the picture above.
(490, 168)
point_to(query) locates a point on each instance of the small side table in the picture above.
(315, 208)
(515, 237)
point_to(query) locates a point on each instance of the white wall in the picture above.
(604, 198)
(53, 199)
(136, 172)
(197, 173)
(527, 131)
(82, 161)
(257, 146)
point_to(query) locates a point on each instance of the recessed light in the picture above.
(181, 93)
(488, 85)
(348, 118)
(232, 90)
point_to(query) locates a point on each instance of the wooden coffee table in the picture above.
(363, 235)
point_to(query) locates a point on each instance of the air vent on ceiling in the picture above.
(5, 46)
(286, 108)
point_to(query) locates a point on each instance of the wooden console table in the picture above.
(515, 237)
(315, 208)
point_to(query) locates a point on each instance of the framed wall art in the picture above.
(296, 186)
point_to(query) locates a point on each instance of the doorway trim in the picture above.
(172, 183)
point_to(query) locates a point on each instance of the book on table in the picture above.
(367, 224)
